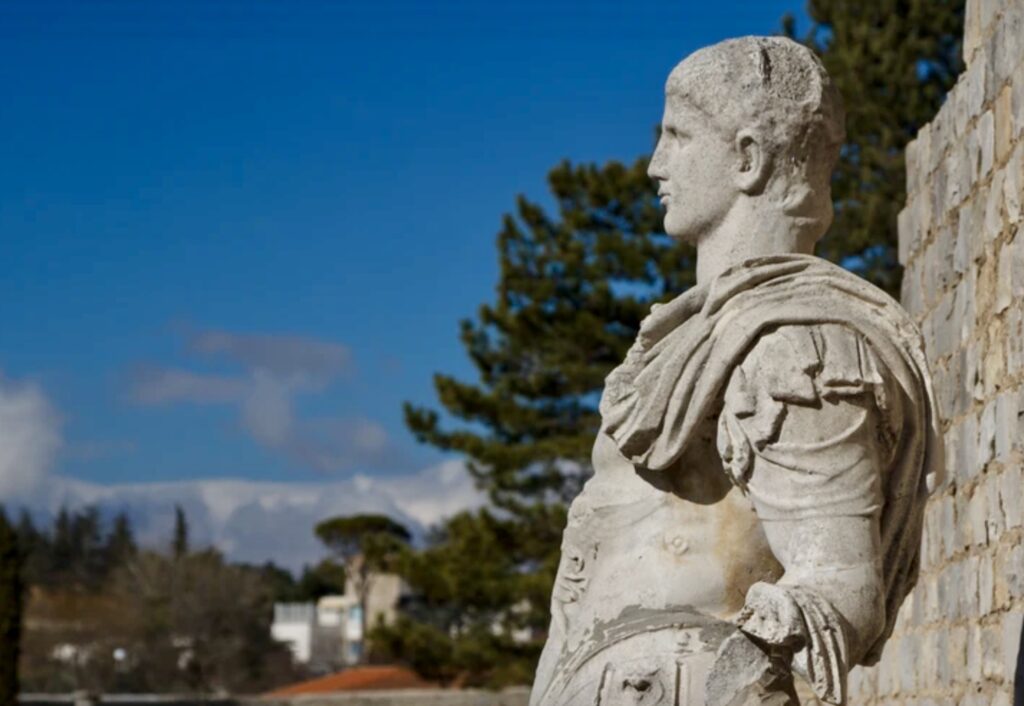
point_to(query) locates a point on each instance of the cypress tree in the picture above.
(179, 542)
(120, 543)
(11, 595)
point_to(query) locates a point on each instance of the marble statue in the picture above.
(767, 445)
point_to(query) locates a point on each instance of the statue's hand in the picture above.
(744, 674)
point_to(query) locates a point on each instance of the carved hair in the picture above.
(779, 89)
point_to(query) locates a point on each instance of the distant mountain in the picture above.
(257, 521)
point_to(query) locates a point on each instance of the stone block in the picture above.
(976, 212)
(923, 154)
(943, 321)
(1013, 183)
(1004, 281)
(957, 636)
(1018, 107)
(958, 376)
(974, 698)
(992, 654)
(986, 435)
(973, 374)
(972, 29)
(1007, 409)
(974, 660)
(985, 134)
(994, 212)
(1010, 627)
(987, 14)
(910, 291)
(912, 158)
(1015, 339)
(1011, 496)
(1002, 697)
(1004, 124)
(1014, 571)
(977, 517)
(952, 443)
(986, 584)
(975, 85)
(1006, 44)
(962, 247)
(940, 137)
(995, 522)
(909, 659)
(907, 233)
(969, 579)
(938, 199)
(967, 466)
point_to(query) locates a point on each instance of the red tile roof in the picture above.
(357, 679)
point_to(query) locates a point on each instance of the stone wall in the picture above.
(957, 638)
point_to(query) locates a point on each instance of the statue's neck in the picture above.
(745, 234)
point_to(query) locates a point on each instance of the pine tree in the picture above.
(893, 61)
(11, 595)
(571, 294)
(366, 546)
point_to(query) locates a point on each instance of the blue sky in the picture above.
(237, 235)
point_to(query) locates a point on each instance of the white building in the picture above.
(328, 635)
(293, 624)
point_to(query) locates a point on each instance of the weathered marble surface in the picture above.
(769, 441)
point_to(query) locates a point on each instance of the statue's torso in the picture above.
(695, 542)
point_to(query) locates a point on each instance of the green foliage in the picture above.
(361, 535)
(315, 582)
(893, 61)
(367, 545)
(11, 590)
(571, 294)
(470, 597)
(94, 594)
(77, 551)
(179, 541)
(187, 624)
(194, 623)
(476, 657)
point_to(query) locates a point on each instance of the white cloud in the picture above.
(275, 372)
(435, 492)
(30, 438)
(289, 357)
(267, 410)
(156, 386)
(259, 521)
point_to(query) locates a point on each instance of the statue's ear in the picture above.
(754, 162)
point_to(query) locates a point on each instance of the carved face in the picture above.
(694, 165)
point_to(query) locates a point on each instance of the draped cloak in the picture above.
(675, 373)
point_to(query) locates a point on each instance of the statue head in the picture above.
(750, 118)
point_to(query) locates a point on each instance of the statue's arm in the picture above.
(803, 434)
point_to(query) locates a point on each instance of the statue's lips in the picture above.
(664, 199)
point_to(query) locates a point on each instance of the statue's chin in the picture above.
(683, 235)
(678, 229)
